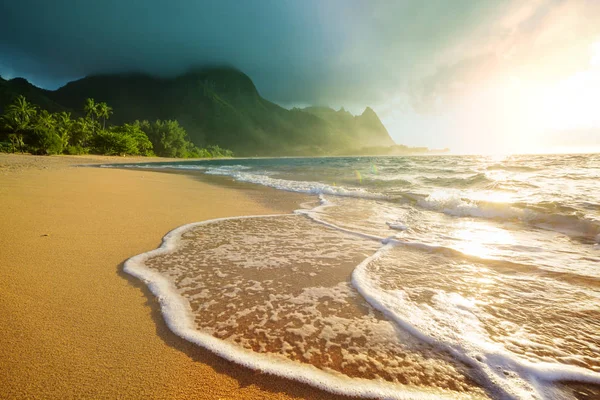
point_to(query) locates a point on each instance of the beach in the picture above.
(406, 277)
(73, 324)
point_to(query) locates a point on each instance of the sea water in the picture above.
(408, 277)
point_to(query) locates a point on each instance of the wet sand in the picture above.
(73, 324)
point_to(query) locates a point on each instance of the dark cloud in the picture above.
(311, 51)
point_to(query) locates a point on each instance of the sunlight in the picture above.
(595, 54)
(493, 196)
(572, 103)
(478, 239)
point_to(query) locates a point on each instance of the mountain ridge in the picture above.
(216, 105)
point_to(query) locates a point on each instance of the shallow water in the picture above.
(410, 277)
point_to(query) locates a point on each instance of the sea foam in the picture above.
(184, 292)
(453, 323)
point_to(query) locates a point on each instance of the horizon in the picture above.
(478, 77)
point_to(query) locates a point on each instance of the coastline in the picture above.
(75, 325)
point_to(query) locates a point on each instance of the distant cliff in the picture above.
(216, 106)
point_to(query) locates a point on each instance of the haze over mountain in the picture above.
(217, 105)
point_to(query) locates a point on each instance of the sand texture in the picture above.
(73, 324)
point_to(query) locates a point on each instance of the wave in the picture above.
(477, 180)
(512, 168)
(504, 373)
(180, 320)
(292, 185)
(545, 215)
(453, 328)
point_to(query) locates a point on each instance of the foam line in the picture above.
(178, 317)
(489, 359)
(316, 219)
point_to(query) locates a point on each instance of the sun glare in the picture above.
(479, 239)
(595, 58)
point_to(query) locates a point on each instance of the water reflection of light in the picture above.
(480, 239)
(492, 196)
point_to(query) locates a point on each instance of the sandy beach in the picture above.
(73, 324)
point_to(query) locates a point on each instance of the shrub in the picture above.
(77, 150)
(47, 142)
(6, 147)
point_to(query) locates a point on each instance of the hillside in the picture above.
(217, 106)
(10, 89)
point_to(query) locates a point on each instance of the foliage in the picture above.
(103, 111)
(16, 141)
(113, 144)
(81, 132)
(168, 137)
(216, 152)
(19, 116)
(215, 105)
(77, 150)
(6, 147)
(171, 140)
(131, 139)
(45, 137)
(42, 132)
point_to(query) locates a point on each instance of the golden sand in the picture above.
(73, 324)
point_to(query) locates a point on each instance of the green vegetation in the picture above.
(28, 128)
(216, 106)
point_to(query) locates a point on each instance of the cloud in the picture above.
(537, 42)
(326, 52)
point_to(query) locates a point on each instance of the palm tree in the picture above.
(81, 132)
(104, 111)
(45, 122)
(20, 142)
(13, 141)
(16, 140)
(64, 125)
(91, 110)
(46, 139)
(20, 114)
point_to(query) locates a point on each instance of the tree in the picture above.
(143, 145)
(20, 115)
(47, 140)
(81, 131)
(16, 140)
(64, 126)
(104, 112)
(168, 138)
(216, 151)
(91, 111)
(123, 140)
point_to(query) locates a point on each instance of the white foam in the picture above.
(504, 373)
(179, 318)
(293, 186)
(452, 203)
(156, 166)
(397, 226)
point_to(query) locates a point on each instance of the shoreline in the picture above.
(56, 355)
(76, 325)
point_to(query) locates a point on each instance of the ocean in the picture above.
(406, 277)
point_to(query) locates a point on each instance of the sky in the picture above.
(477, 76)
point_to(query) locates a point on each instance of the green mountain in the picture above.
(9, 90)
(364, 130)
(218, 106)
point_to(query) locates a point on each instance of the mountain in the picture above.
(365, 130)
(10, 89)
(219, 106)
